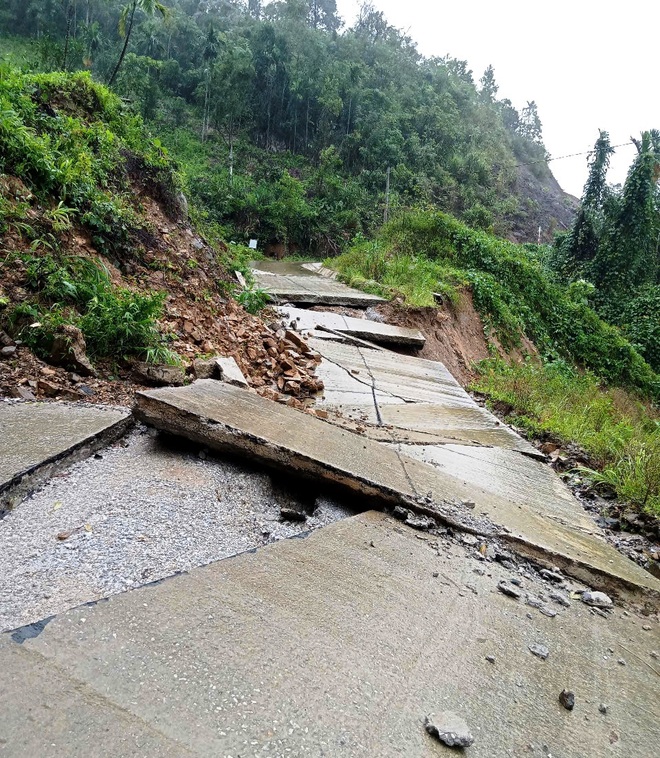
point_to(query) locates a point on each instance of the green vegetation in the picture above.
(79, 156)
(618, 431)
(423, 252)
(615, 244)
(74, 290)
(72, 169)
(285, 125)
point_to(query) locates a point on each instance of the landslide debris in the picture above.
(101, 269)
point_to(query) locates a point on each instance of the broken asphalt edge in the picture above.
(24, 483)
(224, 439)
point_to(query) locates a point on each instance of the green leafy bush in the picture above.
(72, 140)
(115, 321)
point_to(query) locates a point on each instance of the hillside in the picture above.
(101, 269)
(286, 124)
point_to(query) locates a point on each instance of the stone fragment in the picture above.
(551, 576)
(22, 393)
(534, 601)
(490, 658)
(160, 375)
(70, 350)
(449, 728)
(547, 611)
(560, 598)
(204, 368)
(540, 651)
(47, 388)
(567, 699)
(297, 340)
(508, 589)
(230, 372)
(602, 708)
(597, 599)
(8, 351)
(423, 523)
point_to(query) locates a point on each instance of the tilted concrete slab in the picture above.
(38, 438)
(335, 645)
(407, 399)
(374, 331)
(230, 419)
(287, 281)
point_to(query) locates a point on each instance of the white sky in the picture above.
(588, 64)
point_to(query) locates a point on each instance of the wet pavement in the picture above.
(292, 282)
(339, 644)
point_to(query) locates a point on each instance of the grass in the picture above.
(371, 267)
(618, 430)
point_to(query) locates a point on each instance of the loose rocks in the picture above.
(540, 651)
(508, 589)
(567, 699)
(449, 728)
(597, 599)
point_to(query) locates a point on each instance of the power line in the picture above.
(572, 155)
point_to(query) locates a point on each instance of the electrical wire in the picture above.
(572, 155)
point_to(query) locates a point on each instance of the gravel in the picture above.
(145, 509)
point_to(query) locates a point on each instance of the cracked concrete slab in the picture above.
(337, 645)
(550, 530)
(38, 438)
(375, 331)
(287, 281)
(406, 399)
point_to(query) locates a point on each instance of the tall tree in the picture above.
(628, 256)
(488, 85)
(581, 244)
(150, 7)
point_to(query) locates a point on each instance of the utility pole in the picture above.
(387, 197)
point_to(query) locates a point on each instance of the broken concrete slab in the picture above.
(40, 438)
(243, 423)
(307, 645)
(408, 400)
(230, 372)
(287, 281)
(375, 331)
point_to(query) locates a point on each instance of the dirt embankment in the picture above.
(455, 335)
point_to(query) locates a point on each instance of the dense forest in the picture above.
(290, 127)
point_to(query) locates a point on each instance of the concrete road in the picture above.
(334, 645)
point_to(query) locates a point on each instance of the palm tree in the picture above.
(150, 7)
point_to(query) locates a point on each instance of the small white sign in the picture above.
(253, 245)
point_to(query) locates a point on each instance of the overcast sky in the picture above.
(588, 64)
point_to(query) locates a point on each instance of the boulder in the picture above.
(160, 375)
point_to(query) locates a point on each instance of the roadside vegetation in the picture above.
(618, 431)
(69, 156)
(425, 252)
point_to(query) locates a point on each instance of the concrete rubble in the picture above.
(375, 331)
